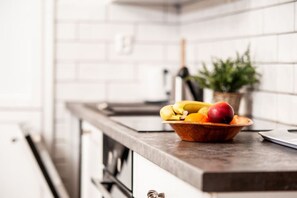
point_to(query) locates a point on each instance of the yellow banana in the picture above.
(203, 110)
(186, 106)
(167, 113)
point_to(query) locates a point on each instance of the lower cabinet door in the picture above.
(20, 173)
(91, 160)
(148, 176)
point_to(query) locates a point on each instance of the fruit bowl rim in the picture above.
(250, 122)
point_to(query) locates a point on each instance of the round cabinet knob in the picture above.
(155, 194)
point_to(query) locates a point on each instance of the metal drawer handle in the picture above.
(155, 194)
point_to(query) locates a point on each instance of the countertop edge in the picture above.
(122, 134)
(200, 179)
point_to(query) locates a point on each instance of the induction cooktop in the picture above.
(144, 117)
(126, 109)
(143, 124)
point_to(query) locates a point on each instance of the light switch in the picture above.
(123, 44)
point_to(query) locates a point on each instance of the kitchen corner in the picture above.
(60, 57)
(242, 167)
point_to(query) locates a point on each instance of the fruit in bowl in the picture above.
(180, 110)
(220, 112)
(204, 122)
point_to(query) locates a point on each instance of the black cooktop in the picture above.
(144, 117)
(126, 109)
(143, 124)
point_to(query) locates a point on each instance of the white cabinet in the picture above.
(26, 63)
(148, 176)
(21, 53)
(20, 174)
(91, 160)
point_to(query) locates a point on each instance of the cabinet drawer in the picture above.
(148, 176)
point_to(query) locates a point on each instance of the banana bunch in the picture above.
(181, 109)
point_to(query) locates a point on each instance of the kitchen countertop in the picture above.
(248, 163)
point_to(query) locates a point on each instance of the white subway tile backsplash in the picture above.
(285, 78)
(124, 92)
(65, 71)
(66, 31)
(171, 15)
(287, 48)
(140, 52)
(106, 72)
(202, 10)
(268, 81)
(247, 23)
(103, 31)
(205, 52)
(75, 51)
(79, 91)
(264, 49)
(231, 26)
(221, 49)
(206, 9)
(286, 109)
(173, 52)
(263, 105)
(266, 3)
(279, 78)
(81, 10)
(157, 32)
(134, 13)
(279, 19)
(216, 29)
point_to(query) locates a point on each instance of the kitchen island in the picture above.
(246, 164)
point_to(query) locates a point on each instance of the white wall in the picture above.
(219, 28)
(88, 69)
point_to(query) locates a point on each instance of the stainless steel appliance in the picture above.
(117, 171)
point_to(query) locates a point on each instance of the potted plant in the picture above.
(228, 77)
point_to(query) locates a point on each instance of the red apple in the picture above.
(220, 112)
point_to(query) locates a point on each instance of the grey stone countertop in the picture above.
(248, 163)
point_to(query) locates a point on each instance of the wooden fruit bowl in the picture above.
(208, 132)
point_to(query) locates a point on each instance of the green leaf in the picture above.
(229, 75)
